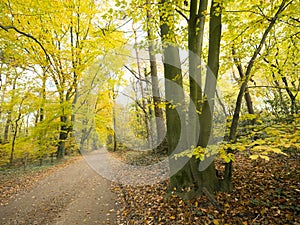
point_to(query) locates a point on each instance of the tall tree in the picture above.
(174, 94)
(158, 111)
(204, 181)
(248, 73)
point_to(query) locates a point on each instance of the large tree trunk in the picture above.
(207, 176)
(204, 181)
(195, 43)
(175, 102)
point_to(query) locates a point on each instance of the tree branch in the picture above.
(135, 74)
(7, 28)
(182, 14)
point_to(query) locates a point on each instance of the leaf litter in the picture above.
(265, 192)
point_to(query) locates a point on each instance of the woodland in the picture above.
(211, 85)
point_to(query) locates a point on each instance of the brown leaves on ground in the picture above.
(264, 193)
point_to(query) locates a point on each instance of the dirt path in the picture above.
(75, 194)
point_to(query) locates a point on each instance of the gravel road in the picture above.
(74, 194)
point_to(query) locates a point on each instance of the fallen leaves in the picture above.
(265, 192)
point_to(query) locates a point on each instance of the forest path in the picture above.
(74, 194)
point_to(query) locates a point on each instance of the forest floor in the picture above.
(265, 192)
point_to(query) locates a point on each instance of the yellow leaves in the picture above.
(235, 146)
(277, 151)
(241, 148)
(226, 157)
(264, 157)
(259, 148)
(177, 77)
(216, 222)
(248, 117)
(253, 157)
(172, 217)
(161, 105)
(267, 149)
(171, 106)
(264, 150)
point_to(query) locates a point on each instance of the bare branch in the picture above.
(7, 28)
(182, 14)
(135, 74)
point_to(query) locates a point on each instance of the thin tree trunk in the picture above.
(6, 128)
(63, 135)
(236, 115)
(114, 124)
(159, 116)
(140, 80)
(14, 137)
(235, 119)
(247, 95)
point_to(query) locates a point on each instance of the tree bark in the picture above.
(158, 112)
(195, 42)
(247, 96)
(15, 132)
(63, 135)
(175, 100)
(208, 179)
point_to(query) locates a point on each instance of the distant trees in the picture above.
(44, 54)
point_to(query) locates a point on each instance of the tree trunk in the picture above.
(236, 115)
(175, 101)
(242, 76)
(292, 97)
(63, 135)
(9, 116)
(195, 43)
(204, 181)
(43, 95)
(159, 116)
(208, 179)
(115, 126)
(14, 138)
(6, 128)
(13, 143)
